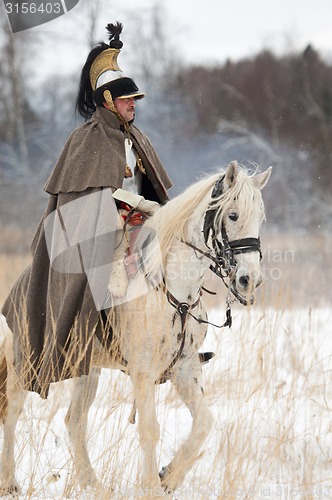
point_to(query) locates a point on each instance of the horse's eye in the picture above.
(233, 216)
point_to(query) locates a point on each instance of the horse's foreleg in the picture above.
(148, 428)
(13, 400)
(188, 382)
(83, 394)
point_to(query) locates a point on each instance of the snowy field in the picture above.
(269, 388)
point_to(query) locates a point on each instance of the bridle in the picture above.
(223, 250)
(222, 254)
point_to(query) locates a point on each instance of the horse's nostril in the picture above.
(244, 281)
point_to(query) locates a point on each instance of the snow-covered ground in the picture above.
(269, 388)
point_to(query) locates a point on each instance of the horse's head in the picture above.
(220, 219)
(231, 229)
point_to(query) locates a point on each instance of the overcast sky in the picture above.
(208, 31)
(218, 29)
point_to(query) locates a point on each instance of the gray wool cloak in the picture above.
(54, 308)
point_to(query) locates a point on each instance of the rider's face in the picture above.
(126, 107)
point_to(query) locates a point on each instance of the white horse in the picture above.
(214, 223)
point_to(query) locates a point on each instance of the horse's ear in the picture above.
(232, 171)
(260, 180)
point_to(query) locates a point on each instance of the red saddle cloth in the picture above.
(133, 217)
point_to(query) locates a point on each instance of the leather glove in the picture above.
(147, 207)
(136, 201)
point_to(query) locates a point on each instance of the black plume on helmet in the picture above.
(115, 31)
(85, 103)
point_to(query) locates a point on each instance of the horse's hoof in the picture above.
(168, 483)
(164, 472)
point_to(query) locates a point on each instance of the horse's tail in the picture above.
(3, 385)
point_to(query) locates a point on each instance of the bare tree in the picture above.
(154, 54)
(12, 80)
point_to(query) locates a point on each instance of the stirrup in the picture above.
(204, 357)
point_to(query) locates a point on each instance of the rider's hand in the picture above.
(147, 207)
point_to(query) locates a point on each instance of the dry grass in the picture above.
(274, 401)
(11, 266)
(268, 388)
(297, 270)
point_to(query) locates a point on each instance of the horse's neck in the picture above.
(185, 271)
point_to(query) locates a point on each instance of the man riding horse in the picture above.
(60, 300)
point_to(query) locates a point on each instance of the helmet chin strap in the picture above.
(111, 106)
